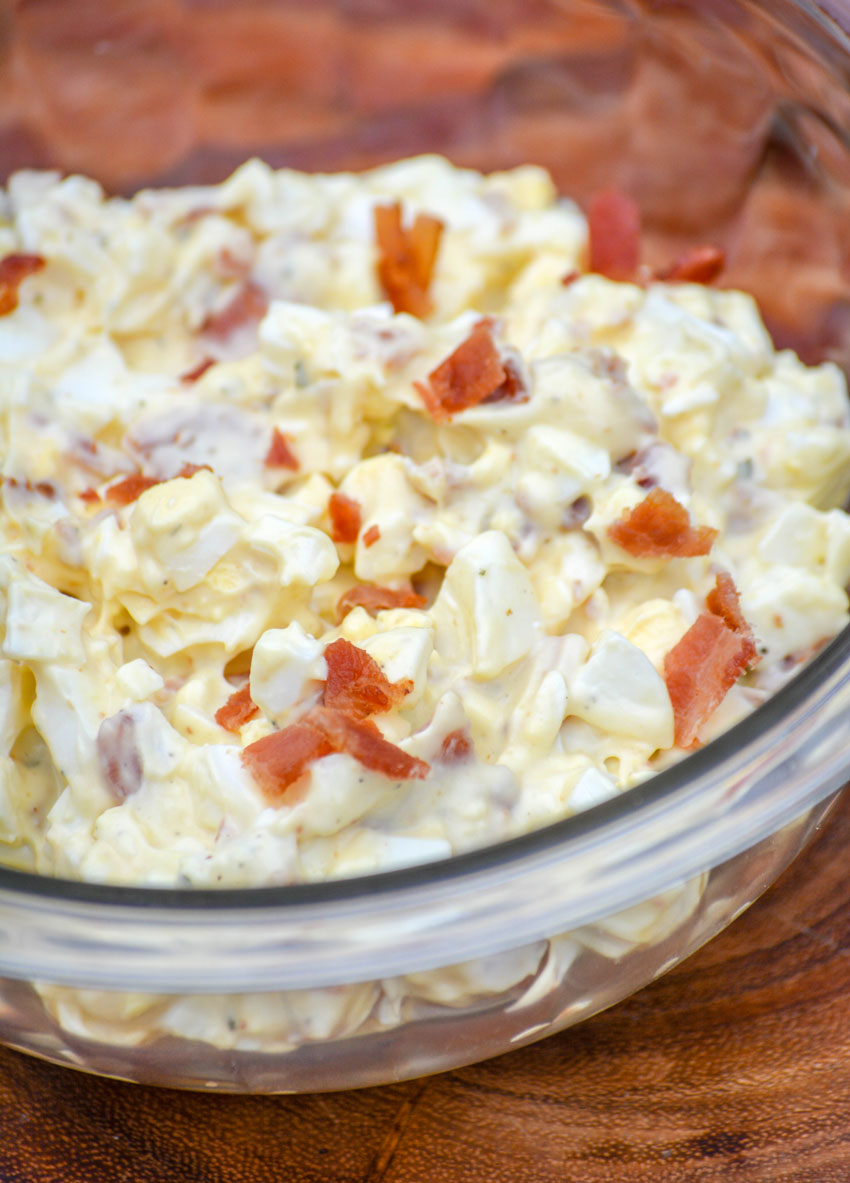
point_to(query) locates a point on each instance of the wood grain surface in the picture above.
(734, 1066)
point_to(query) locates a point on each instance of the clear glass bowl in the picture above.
(729, 123)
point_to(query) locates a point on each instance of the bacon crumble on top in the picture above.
(659, 527)
(357, 684)
(613, 223)
(249, 303)
(280, 455)
(355, 689)
(371, 536)
(455, 747)
(14, 269)
(707, 662)
(474, 373)
(198, 371)
(130, 489)
(699, 264)
(346, 517)
(361, 739)
(373, 598)
(238, 709)
(614, 233)
(278, 760)
(406, 258)
(723, 601)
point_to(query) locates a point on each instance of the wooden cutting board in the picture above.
(734, 1066)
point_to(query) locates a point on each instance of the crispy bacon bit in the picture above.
(614, 228)
(700, 264)
(709, 659)
(130, 489)
(249, 303)
(232, 266)
(346, 517)
(569, 279)
(361, 739)
(513, 388)
(14, 269)
(118, 755)
(198, 371)
(455, 747)
(90, 496)
(473, 374)
(371, 536)
(189, 470)
(701, 670)
(280, 455)
(376, 599)
(406, 258)
(356, 682)
(238, 709)
(276, 761)
(659, 527)
(723, 601)
(44, 488)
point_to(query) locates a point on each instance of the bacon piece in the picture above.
(238, 709)
(512, 389)
(659, 527)
(361, 739)
(699, 264)
(198, 371)
(130, 489)
(455, 747)
(701, 670)
(376, 599)
(569, 279)
(472, 374)
(248, 303)
(406, 258)
(723, 601)
(346, 517)
(280, 455)
(276, 761)
(118, 756)
(45, 488)
(14, 269)
(371, 536)
(189, 470)
(90, 496)
(613, 221)
(356, 683)
(279, 759)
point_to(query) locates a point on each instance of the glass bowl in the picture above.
(728, 122)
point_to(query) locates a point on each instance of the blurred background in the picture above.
(728, 121)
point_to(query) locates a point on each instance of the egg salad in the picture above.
(349, 522)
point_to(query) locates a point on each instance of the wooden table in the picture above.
(734, 1066)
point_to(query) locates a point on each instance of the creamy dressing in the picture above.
(126, 627)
